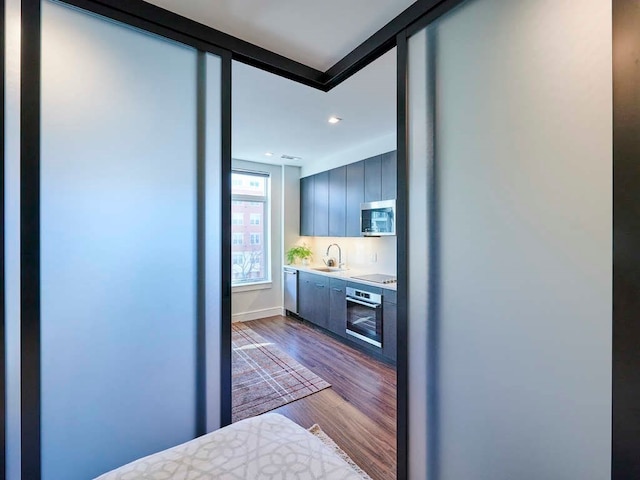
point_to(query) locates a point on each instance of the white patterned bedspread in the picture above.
(267, 447)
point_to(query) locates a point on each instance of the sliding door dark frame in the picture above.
(225, 232)
(625, 463)
(3, 349)
(30, 238)
(402, 222)
(201, 240)
(171, 25)
(151, 18)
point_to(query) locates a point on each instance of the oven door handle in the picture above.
(365, 304)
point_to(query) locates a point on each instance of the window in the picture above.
(237, 238)
(249, 240)
(237, 259)
(237, 219)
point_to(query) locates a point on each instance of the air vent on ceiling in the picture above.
(289, 157)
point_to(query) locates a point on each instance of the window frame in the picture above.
(264, 234)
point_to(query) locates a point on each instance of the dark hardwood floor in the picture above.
(359, 410)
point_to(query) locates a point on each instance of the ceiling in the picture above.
(273, 114)
(315, 33)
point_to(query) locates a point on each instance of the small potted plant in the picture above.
(299, 251)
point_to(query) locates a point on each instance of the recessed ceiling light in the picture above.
(269, 154)
(334, 119)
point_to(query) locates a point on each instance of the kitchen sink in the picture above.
(328, 269)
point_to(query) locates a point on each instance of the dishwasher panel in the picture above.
(291, 290)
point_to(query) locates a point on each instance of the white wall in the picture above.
(290, 206)
(523, 155)
(259, 301)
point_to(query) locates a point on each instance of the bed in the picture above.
(268, 446)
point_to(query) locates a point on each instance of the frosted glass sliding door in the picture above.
(119, 257)
(12, 236)
(511, 102)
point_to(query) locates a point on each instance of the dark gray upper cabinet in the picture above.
(330, 201)
(307, 200)
(389, 167)
(373, 179)
(355, 196)
(321, 205)
(338, 202)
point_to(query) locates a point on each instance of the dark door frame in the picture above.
(626, 209)
(626, 241)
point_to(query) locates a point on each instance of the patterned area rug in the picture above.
(264, 377)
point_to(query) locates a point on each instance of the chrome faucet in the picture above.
(340, 264)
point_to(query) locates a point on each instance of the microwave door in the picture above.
(378, 218)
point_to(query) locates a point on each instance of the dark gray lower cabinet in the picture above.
(389, 330)
(305, 295)
(313, 298)
(322, 301)
(337, 307)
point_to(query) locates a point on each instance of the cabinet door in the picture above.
(321, 205)
(320, 314)
(337, 202)
(389, 175)
(306, 295)
(355, 196)
(307, 192)
(389, 331)
(337, 307)
(373, 179)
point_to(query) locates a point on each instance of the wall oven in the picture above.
(378, 218)
(364, 316)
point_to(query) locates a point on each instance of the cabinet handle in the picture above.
(337, 289)
(319, 285)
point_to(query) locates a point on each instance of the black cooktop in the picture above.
(377, 278)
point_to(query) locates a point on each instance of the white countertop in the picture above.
(346, 274)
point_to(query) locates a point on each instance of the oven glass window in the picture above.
(365, 320)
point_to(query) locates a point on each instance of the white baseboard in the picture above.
(257, 314)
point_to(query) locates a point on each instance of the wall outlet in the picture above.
(373, 257)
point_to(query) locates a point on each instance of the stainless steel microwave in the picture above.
(378, 218)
